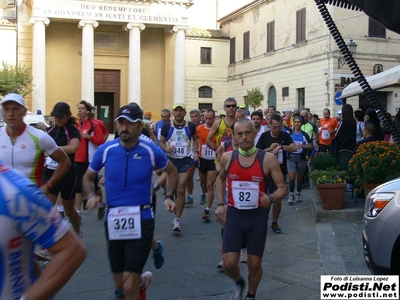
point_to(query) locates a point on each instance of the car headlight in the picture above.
(378, 202)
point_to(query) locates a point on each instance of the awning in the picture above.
(379, 81)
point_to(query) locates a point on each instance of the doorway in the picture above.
(107, 95)
(104, 103)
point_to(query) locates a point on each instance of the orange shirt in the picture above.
(205, 151)
(324, 137)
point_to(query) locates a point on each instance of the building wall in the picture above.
(8, 52)
(213, 75)
(313, 64)
(63, 64)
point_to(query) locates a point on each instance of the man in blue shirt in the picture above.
(128, 163)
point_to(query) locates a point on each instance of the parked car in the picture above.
(381, 234)
(33, 120)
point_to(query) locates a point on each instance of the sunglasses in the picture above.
(230, 106)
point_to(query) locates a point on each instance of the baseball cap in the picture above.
(13, 97)
(132, 113)
(242, 106)
(178, 105)
(61, 109)
(339, 112)
(148, 112)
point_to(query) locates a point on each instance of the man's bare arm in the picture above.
(69, 254)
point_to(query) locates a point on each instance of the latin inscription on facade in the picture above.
(151, 13)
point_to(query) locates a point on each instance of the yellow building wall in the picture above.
(64, 59)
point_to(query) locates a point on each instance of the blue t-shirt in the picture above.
(128, 173)
(26, 217)
(158, 127)
(300, 139)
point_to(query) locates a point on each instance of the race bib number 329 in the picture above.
(123, 223)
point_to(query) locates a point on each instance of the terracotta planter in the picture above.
(369, 187)
(332, 195)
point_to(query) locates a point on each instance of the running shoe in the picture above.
(43, 255)
(243, 255)
(101, 211)
(220, 265)
(206, 215)
(84, 202)
(146, 277)
(237, 293)
(158, 255)
(203, 199)
(189, 200)
(290, 200)
(156, 187)
(298, 198)
(275, 228)
(177, 226)
(119, 294)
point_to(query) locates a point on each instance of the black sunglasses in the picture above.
(230, 105)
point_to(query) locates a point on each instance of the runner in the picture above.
(130, 217)
(27, 217)
(178, 138)
(207, 169)
(245, 171)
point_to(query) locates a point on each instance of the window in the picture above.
(246, 45)
(232, 50)
(301, 98)
(301, 25)
(205, 56)
(271, 36)
(205, 92)
(285, 91)
(375, 29)
(205, 106)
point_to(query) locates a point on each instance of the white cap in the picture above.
(339, 112)
(13, 97)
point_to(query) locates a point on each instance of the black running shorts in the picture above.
(245, 227)
(131, 255)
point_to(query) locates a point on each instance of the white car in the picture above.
(33, 120)
(381, 234)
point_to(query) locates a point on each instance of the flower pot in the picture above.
(332, 195)
(369, 187)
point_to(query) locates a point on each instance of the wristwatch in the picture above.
(281, 147)
(169, 197)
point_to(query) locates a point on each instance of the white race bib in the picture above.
(180, 149)
(279, 156)
(325, 134)
(51, 163)
(123, 223)
(299, 146)
(207, 153)
(245, 194)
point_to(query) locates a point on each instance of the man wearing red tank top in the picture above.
(247, 172)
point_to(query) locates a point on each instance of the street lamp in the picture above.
(352, 46)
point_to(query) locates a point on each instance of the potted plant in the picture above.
(375, 163)
(331, 186)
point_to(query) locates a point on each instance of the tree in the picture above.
(15, 79)
(254, 98)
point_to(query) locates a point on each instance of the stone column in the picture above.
(179, 65)
(87, 92)
(134, 82)
(39, 64)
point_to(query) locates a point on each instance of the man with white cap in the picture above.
(23, 147)
(129, 162)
